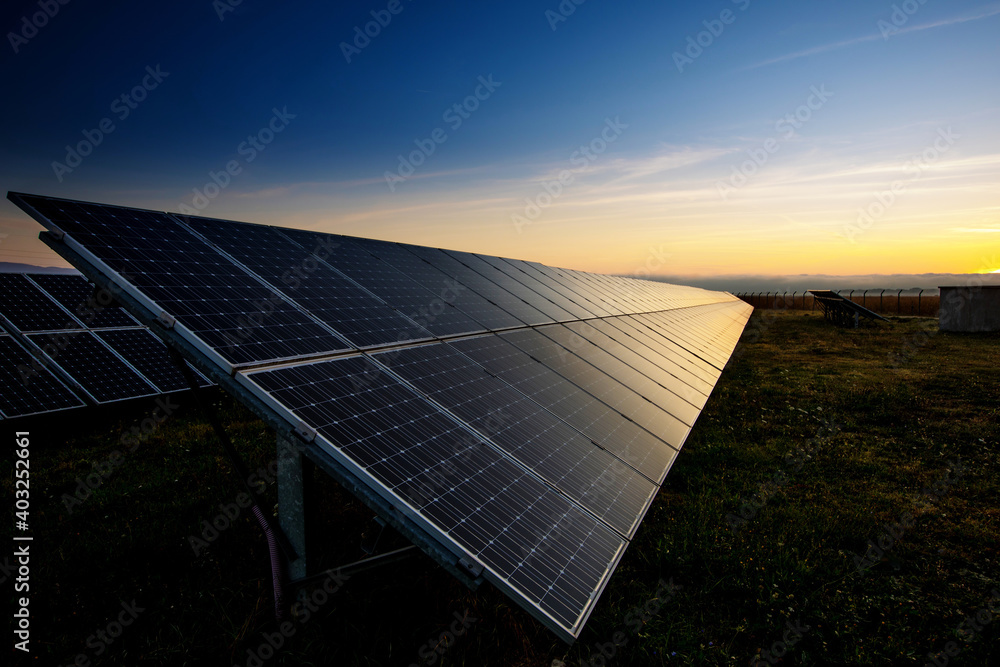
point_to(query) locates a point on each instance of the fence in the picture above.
(883, 302)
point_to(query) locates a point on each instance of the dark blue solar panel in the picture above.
(295, 270)
(94, 308)
(228, 309)
(599, 422)
(475, 282)
(28, 308)
(550, 289)
(148, 355)
(637, 408)
(677, 399)
(527, 534)
(27, 386)
(428, 305)
(486, 315)
(93, 365)
(524, 429)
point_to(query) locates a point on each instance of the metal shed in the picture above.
(970, 308)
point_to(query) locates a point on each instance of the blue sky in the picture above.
(692, 169)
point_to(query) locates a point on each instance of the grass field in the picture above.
(814, 441)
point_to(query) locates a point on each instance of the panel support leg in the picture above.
(291, 503)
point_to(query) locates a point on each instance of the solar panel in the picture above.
(448, 264)
(527, 432)
(673, 399)
(525, 534)
(27, 387)
(27, 308)
(601, 423)
(645, 358)
(842, 311)
(298, 272)
(645, 332)
(524, 273)
(605, 388)
(232, 312)
(579, 287)
(93, 308)
(553, 311)
(149, 356)
(98, 370)
(423, 304)
(528, 437)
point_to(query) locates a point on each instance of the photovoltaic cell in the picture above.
(711, 331)
(93, 365)
(662, 369)
(575, 285)
(674, 401)
(643, 332)
(678, 327)
(605, 388)
(422, 305)
(27, 387)
(95, 309)
(525, 273)
(541, 303)
(148, 355)
(475, 282)
(527, 535)
(542, 298)
(295, 270)
(27, 308)
(528, 432)
(600, 423)
(485, 314)
(225, 307)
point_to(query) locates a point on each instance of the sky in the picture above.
(691, 140)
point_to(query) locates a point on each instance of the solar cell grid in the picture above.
(551, 310)
(354, 313)
(28, 308)
(582, 287)
(475, 282)
(513, 270)
(147, 354)
(608, 390)
(94, 366)
(685, 330)
(660, 367)
(453, 309)
(490, 507)
(526, 431)
(411, 298)
(642, 331)
(27, 387)
(556, 284)
(94, 308)
(220, 303)
(676, 400)
(597, 421)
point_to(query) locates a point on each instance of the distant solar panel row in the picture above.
(68, 345)
(521, 416)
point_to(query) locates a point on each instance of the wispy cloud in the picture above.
(992, 10)
(975, 230)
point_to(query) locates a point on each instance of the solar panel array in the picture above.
(67, 345)
(519, 415)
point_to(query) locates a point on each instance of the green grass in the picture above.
(899, 426)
